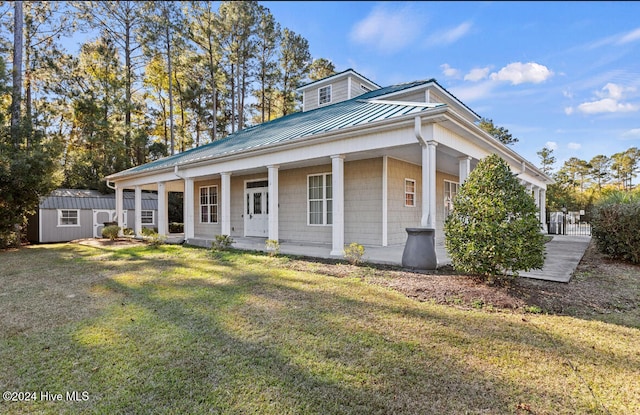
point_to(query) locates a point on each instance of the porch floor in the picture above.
(388, 255)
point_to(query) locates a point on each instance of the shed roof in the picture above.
(92, 199)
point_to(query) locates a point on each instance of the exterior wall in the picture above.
(51, 232)
(363, 201)
(363, 204)
(339, 92)
(400, 216)
(209, 230)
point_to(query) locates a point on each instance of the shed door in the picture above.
(101, 216)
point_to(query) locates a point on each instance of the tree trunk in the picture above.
(171, 128)
(16, 97)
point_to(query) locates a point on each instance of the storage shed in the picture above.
(68, 214)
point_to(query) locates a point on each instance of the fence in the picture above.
(568, 223)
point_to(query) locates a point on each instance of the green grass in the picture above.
(181, 330)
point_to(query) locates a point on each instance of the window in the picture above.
(450, 192)
(68, 217)
(147, 217)
(320, 199)
(324, 95)
(209, 204)
(409, 192)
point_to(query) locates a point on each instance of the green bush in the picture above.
(175, 227)
(148, 232)
(354, 253)
(111, 232)
(128, 232)
(616, 226)
(222, 242)
(493, 230)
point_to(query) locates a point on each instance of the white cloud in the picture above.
(611, 96)
(574, 146)
(518, 73)
(634, 132)
(474, 92)
(551, 145)
(568, 110)
(450, 36)
(477, 74)
(388, 30)
(632, 36)
(449, 71)
(606, 105)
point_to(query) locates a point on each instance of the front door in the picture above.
(256, 214)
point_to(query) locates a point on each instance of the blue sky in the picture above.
(560, 74)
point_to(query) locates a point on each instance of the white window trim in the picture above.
(330, 95)
(324, 200)
(412, 193)
(60, 225)
(211, 204)
(153, 217)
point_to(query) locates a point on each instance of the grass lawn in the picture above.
(182, 330)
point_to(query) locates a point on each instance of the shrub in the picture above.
(148, 232)
(222, 242)
(175, 227)
(272, 246)
(128, 232)
(353, 253)
(111, 232)
(615, 226)
(493, 230)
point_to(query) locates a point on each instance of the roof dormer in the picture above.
(335, 88)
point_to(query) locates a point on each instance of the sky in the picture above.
(562, 75)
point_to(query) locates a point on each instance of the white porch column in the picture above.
(137, 226)
(119, 207)
(337, 188)
(189, 212)
(464, 168)
(428, 219)
(543, 209)
(273, 202)
(225, 203)
(163, 208)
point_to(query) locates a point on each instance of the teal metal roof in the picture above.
(353, 112)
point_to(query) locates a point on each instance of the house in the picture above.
(68, 214)
(360, 163)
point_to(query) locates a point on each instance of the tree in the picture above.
(294, 64)
(268, 37)
(499, 133)
(494, 230)
(121, 22)
(547, 160)
(16, 95)
(624, 166)
(600, 170)
(321, 68)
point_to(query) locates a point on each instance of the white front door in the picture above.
(256, 214)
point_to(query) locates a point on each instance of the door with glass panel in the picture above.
(256, 209)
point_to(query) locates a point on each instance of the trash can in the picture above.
(420, 249)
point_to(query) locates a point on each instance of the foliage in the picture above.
(128, 232)
(616, 221)
(175, 227)
(222, 242)
(153, 237)
(547, 160)
(493, 230)
(354, 253)
(499, 133)
(272, 246)
(111, 232)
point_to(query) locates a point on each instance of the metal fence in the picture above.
(568, 223)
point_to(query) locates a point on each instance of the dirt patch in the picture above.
(599, 285)
(102, 242)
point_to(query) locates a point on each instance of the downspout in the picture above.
(110, 186)
(417, 129)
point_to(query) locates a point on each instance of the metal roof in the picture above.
(92, 199)
(357, 111)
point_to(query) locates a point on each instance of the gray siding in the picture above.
(51, 232)
(400, 216)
